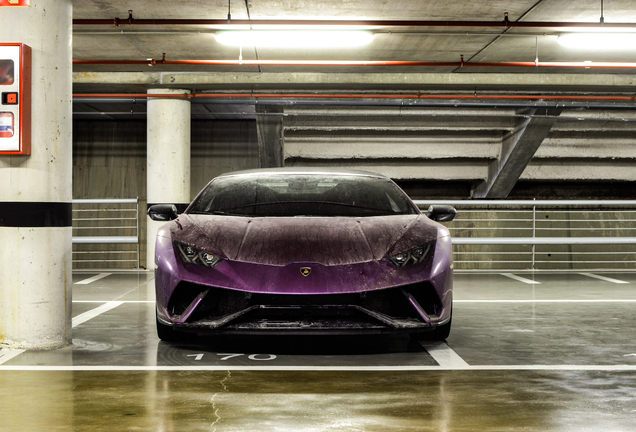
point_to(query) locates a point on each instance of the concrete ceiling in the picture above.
(416, 44)
(487, 148)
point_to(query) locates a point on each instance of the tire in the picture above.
(440, 333)
(166, 333)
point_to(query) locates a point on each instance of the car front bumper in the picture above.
(244, 298)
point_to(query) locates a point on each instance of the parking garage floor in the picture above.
(542, 351)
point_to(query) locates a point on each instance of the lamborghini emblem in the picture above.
(305, 271)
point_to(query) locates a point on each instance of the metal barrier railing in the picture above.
(525, 234)
(106, 222)
(542, 234)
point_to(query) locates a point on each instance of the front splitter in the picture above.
(372, 323)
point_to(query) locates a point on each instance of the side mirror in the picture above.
(163, 212)
(441, 213)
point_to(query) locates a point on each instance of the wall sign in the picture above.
(15, 99)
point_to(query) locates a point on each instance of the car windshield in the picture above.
(302, 195)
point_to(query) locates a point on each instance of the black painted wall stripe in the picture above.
(35, 214)
(180, 206)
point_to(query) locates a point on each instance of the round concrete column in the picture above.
(35, 191)
(168, 171)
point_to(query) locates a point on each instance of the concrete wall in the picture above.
(219, 147)
(458, 144)
(109, 161)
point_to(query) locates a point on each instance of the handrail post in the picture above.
(137, 234)
(534, 229)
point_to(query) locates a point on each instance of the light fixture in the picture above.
(599, 41)
(295, 39)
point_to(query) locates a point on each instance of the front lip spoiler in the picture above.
(385, 324)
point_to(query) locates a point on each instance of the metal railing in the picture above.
(106, 227)
(487, 234)
(542, 234)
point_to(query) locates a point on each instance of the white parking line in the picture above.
(454, 301)
(106, 301)
(549, 301)
(603, 278)
(93, 279)
(520, 279)
(444, 355)
(82, 318)
(599, 368)
(7, 354)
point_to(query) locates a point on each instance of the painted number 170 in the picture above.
(227, 356)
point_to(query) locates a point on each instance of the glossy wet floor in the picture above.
(557, 354)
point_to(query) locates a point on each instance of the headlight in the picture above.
(191, 255)
(412, 256)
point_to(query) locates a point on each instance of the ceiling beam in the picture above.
(517, 149)
(113, 81)
(239, 23)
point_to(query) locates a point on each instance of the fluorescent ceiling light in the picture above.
(311, 27)
(596, 29)
(295, 39)
(599, 41)
(246, 27)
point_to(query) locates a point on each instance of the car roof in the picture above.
(302, 171)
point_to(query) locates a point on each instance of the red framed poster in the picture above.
(15, 99)
(15, 3)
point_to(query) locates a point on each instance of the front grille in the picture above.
(427, 297)
(217, 303)
(182, 296)
(220, 302)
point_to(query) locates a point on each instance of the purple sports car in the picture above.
(303, 251)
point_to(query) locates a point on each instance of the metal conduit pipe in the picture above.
(391, 63)
(417, 100)
(375, 31)
(382, 103)
(133, 96)
(402, 115)
(225, 23)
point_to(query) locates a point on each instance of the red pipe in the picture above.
(232, 62)
(114, 62)
(352, 96)
(365, 23)
(309, 63)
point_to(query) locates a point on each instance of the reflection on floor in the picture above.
(557, 354)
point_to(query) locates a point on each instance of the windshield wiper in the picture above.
(383, 211)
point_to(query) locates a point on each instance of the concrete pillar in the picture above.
(168, 171)
(36, 190)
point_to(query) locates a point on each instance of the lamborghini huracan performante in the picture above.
(303, 251)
